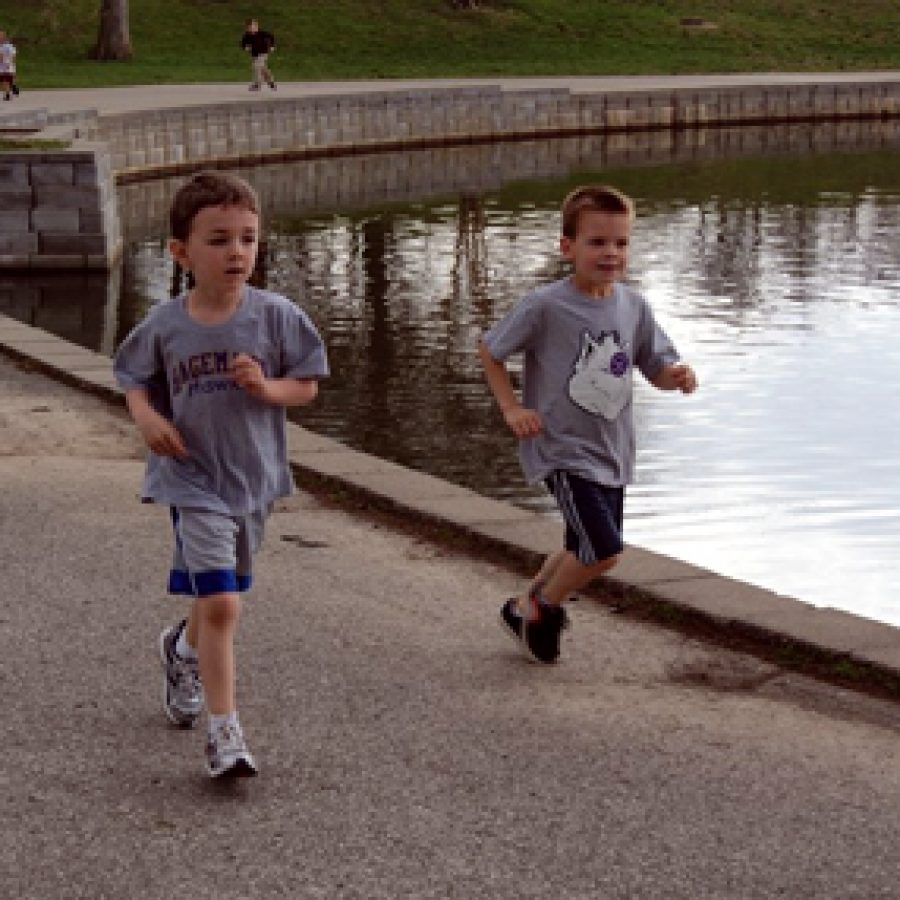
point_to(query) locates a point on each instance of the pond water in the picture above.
(776, 271)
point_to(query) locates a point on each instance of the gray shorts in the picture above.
(213, 551)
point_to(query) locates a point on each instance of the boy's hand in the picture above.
(677, 377)
(161, 435)
(684, 378)
(524, 423)
(249, 375)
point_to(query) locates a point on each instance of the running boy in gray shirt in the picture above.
(581, 338)
(207, 378)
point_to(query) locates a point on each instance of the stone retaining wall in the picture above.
(146, 144)
(377, 179)
(58, 210)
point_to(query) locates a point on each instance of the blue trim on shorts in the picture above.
(219, 581)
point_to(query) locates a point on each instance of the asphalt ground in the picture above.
(407, 748)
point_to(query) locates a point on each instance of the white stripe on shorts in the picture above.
(562, 490)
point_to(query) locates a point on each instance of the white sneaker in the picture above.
(182, 688)
(227, 753)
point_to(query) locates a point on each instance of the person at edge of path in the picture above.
(581, 337)
(207, 377)
(8, 67)
(259, 44)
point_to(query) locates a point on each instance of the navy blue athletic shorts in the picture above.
(593, 515)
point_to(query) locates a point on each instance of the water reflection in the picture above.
(776, 274)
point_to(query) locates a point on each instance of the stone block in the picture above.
(91, 222)
(86, 175)
(15, 197)
(68, 244)
(14, 221)
(58, 262)
(54, 219)
(65, 196)
(53, 173)
(17, 244)
(14, 173)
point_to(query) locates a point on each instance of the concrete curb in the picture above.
(858, 651)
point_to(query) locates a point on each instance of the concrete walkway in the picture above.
(108, 101)
(407, 749)
(832, 641)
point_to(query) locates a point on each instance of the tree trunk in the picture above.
(113, 41)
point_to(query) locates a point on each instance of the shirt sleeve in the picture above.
(515, 331)
(653, 348)
(138, 361)
(302, 349)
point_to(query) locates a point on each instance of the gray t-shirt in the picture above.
(579, 358)
(237, 443)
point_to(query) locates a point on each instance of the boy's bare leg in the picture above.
(210, 629)
(568, 575)
(549, 566)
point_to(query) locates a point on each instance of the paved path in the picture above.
(407, 749)
(144, 97)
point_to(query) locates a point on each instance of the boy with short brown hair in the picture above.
(207, 378)
(581, 337)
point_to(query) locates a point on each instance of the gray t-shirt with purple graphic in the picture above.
(237, 443)
(579, 356)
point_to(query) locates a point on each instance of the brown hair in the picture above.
(593, 198)
(208, 189)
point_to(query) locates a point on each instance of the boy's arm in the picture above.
(277, 391)
(522, 422)
(289, 391)
(676, 376)
(160, 434)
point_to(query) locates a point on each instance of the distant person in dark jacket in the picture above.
(260, 44)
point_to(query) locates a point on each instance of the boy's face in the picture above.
(220, 250)
(599, 251)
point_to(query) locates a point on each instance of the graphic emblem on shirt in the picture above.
(601, 381)
(205, 373)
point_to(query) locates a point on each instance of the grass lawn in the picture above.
(197, 40)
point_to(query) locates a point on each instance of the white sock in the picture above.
(184, 649)
(218, 721)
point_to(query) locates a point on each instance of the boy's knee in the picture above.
(219, 610)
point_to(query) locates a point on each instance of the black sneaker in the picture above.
(511, 619)
(542, 634)
(15, 90)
